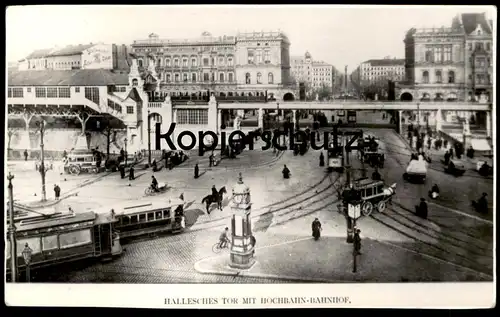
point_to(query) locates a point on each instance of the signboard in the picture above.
(98, 56)
(354, 211)
(351, 116)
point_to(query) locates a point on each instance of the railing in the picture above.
(229, 99)
(154, 104)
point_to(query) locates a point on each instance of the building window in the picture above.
(51, 92)
(247, 78)
(192, 116)
(447, 53)
(428, 54)
(176, 62)
(259, 78)
(193, 77)
(230, 77)
(40, 92)
(184, 77)
(140, 63)
(259, 57)
(77, 89)
(17, 93)
(479, 46)
(91, 93)
(438, 51)
(185, 63)
(64, 92)
(221, 77)
(439, 76)
(205, 62)
(130, 109)
(158, 62)
(177, 78)
(9, 93)
(270, 78)
(250, 57)
(167, 62)
(206, 77)
(168, 78)
(193, 62)
(230, 61)
(425, 77)
(451, 77)
(488, 46)
(221, 61)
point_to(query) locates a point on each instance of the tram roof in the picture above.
(129, 208)
(367, 181)
(75, 77)
(55, 220)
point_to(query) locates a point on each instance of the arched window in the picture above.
(259, 78)
(439, 76)
(451, 77)
(140, 63)
(230, 77)
(158, 62)
(167, 62)
(155, 117)
(185, 62)
(177, 77)
(193, 62)
(247, 78)
(221, 60)
(184, 77)
(176, 62)
(193, 77)
(135, 82)
(168, 78)
(270, 78)
(425, 77)
(230, 61)
(221, 77)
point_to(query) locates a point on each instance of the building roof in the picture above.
(38, 53)
(386, 62)
(77, 77)
(471, 20)
(71, 50)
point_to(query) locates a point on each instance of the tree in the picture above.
(10, 132)
(323, 92)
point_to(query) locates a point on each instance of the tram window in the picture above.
(151, 216)
(380, 189)
(369, 191)
(33, 243)
(133, 219)
(50, 243)
(80, 159)
(125, 220)
(158, 215)
(362, 192)
(75, 238)
(142, 218)
(166, 213)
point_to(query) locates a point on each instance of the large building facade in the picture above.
(316, 74)
(381, 70)
(452, 63)
(254, 64)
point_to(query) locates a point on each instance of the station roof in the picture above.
(71, 50)
(77, 77)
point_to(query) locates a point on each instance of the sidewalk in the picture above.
(330, 260)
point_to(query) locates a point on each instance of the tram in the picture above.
(150, 218)
(65, 237)
(335, 157)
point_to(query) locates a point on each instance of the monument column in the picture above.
(295, 121)
(260, 119)
(439, 120)
(242, 248)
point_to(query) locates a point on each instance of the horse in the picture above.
(209, 199)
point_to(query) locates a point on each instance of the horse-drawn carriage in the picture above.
(373, 194)
(82, 161)
(369, 153)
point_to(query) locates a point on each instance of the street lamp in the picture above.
(27, 260)
(149, 139)
(41, 125)
(12, 232)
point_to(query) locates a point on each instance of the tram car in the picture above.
(65, 237)
(150, 218)
(81, 161)
(373, 194)
(416, 171)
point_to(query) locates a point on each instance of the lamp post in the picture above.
(27, 260)
(149, 139)
(12, 232)
(126, 155)
(41, 124)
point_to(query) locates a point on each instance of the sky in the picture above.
(338, 35)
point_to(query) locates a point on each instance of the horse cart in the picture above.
(373, 194)
(81, 162)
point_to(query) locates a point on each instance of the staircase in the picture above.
(97, 241)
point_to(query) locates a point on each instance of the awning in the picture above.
(480, 145)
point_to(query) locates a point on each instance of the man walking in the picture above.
(57, 191)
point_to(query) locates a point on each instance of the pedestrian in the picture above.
(446, 157)
(429, 143)
(57, 191)
(25, 155)
(131, 175)
(122, 170)
(210, 159)
(451, 153)
(357, 242)
(196, 171)
(321, 159)
(421, 210)
(253, 241)
(65, 154)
